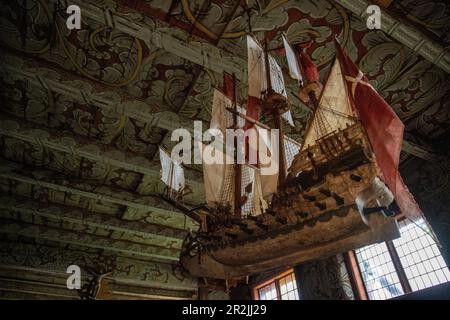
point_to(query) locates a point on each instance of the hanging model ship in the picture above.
(327, 196)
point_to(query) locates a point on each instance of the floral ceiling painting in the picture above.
(84, 111)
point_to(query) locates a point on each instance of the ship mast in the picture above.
(312, 97)
(276, 115)
(237, 167)
(313, 102)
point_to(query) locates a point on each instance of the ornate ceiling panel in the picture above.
(434, 16)
(83, 113)
(406, 80)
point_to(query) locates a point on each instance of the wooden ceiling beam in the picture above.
(165, 120)
(36, 279)
(127, 270)
(216, 59)
(15, 294)
(162, 213)
(156, 233)
(35, 274)
(425, 153)
(37, 287)
(120, 290)
(24, 229)
(383, 3)
(404, 33)
(75, 145)
(203, 54)
(79, 146)
(49, 285)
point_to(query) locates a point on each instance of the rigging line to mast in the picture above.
(249, 16)
(276, 118)
(321, 127)
(258, 58)
(330, 109)
(286, 139)
(337, 113)
(431, 234)
(261, 125)
(256, 63)
(249, 119)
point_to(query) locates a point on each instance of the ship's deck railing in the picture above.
(329, 147)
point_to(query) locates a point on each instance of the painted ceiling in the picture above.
(83, 112)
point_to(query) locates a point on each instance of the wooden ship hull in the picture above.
(330, 234)
(313, 215)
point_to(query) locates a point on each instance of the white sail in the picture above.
(287, 116)
(219, 187)
(172, 174)
(219, 177)
(269, 183)
(259, 203)
(257, 81)
(216, 177)
(294, 68)
(334, 111)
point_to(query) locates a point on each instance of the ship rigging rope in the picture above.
(256, 63)
(338, 113)
(428, 231)
(322, 125)
(276, 76)
(260, 55)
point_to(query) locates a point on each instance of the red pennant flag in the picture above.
(384, 130)
(311, 74)
(228, 85)
(253, 111)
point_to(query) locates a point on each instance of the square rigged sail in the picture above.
(218, 176)
(221, 118)
(257, 80)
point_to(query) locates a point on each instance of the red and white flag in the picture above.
(384, 130)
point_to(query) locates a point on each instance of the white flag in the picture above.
(294, 69)
(257, 81)
(172, 174)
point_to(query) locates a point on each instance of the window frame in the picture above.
(276, 280)
(356, 280)
(358, 285)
